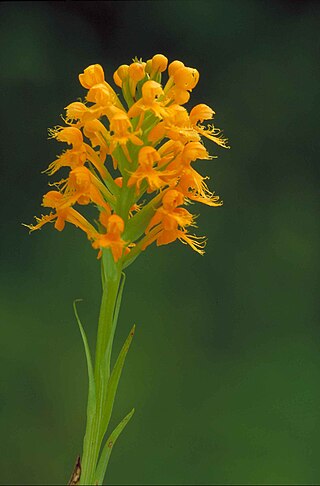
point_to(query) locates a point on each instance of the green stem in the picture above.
(111, 278)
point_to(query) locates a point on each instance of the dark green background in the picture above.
(224, 367)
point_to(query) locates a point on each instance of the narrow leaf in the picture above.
(92, 387)
(106, 452)
(114, 381)
(137, 224)
(91, 406)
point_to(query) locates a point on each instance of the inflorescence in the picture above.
(134, 165)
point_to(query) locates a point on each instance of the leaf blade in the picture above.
(106, 452)
(91, 405)
(92, 387)
(114, 382)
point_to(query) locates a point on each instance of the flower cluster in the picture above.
(134, 164)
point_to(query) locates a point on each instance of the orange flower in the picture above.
(94, 75)
(112, 238)
(83, 187)
(136, 72)
(122, 133)
(182, 80)
(202, 112)
(175, 125)
(169, 151)
(80, 152)
(159, 64)
(54, 199)
(192, 185)
(154, 177)
(100, 94)
(74, 157)
(151, 91)
(78, 113)
(97, 133)
(186, 78)
(91, 75)
(170, 222)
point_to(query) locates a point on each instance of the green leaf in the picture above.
(91, 406)
(106, 452)
(92, 386)
(114, 381)
(137, 225)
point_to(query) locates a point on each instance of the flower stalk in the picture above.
(135, 165)
(97, 426)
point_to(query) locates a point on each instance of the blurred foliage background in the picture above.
(224, 367)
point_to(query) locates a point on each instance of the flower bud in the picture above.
(136, 71)
(159, 63)
(123, 71)
(117, 80)
(148, 67)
